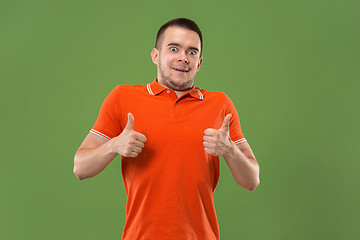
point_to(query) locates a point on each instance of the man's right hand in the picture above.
(95, 152)
(129, 143)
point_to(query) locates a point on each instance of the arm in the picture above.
(240, 159)
(95, 153)
(243, 165)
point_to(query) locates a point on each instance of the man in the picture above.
(170, 136)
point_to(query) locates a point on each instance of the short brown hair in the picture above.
(180, 22)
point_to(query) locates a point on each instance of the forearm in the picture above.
(89, 162)
(244, 170)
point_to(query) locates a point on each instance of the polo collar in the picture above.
(155, 88)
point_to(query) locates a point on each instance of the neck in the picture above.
(179, 93)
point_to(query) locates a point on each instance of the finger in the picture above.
(133, 155)
(225, 124)
(130, 122)
(208, 145)
(141, 137)
(208, 150)
(139, 144)
(136, 149)
(210, 132)
(207, 138)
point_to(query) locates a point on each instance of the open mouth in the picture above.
(181, 70)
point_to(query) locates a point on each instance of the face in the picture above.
(178, 58)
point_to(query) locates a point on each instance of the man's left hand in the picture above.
(217, 142)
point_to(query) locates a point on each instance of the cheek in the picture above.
(195, 62)
(166, 61)
(171, 59)
(195, 67)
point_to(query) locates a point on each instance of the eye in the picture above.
(173, 49)
(192, 52)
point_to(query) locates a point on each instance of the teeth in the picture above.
(180, 70)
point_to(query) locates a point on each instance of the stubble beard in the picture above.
(170, 83)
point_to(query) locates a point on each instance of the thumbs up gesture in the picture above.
(217, 142)
(129, 143)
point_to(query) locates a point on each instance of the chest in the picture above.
(171, 121)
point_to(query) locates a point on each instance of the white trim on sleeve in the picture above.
(100, 134)
(240, 141)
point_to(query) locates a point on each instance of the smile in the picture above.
(181, 70)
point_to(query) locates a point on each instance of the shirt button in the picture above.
(168, 91)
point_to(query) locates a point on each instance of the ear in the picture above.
(155, 55)
(199, 64)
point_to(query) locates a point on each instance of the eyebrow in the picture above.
(179, 45)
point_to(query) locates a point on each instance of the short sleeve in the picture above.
(236, 134)
(107, 124)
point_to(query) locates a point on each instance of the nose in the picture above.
(183, 58)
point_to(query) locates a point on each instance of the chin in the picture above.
(181, 85)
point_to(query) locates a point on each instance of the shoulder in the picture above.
(127, 89)
(123, 92)
(217, 98)
(217, 95)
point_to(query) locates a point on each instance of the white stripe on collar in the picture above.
(200, 94)
(149, 89)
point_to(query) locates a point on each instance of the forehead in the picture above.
(183, 36)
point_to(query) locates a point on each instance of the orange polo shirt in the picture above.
(170, 184)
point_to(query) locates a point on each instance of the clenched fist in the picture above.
(129, 143)
(217, 142)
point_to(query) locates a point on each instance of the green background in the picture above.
(290, 67)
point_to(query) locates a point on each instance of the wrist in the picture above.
(232, 148)
(110, 147)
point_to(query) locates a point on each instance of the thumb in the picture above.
(225, 124)
(130, 122)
